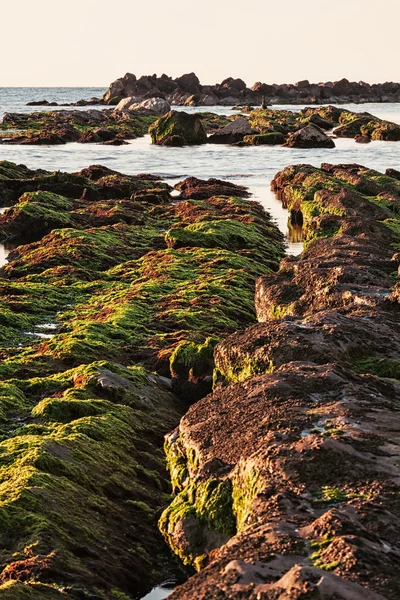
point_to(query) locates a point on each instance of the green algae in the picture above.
(183, 125)
(81, 419)
(209, 503)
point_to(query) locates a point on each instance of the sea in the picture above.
(253, 167)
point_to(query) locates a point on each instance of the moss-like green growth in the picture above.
(380, 366)
(187, 126)
(272, 138)
(317, 556)
(87, 459)
(209, 504)
(246, 486)
(85, 309)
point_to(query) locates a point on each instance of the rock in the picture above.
(362, 139)
(126, 103)
(152, 105)
(178, 123)
(234, 132)
(310, 136)
(234, 91)
(188, 83)
(302, 84)
(176, 141)
(309, 395)
(41, 103)
(393, 173)
(236, 84)
(260, 139)
(200, 189)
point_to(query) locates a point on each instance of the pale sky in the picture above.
(93, 42)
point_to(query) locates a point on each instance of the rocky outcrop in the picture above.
(187, 89)
(109, 314)
(151, 105)
(310, 136)
(178, 128)
(60, 127)
(234, 132)
(286, 476)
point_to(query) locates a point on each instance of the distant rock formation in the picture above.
(187, 90)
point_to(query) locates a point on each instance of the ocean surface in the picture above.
(253, 166)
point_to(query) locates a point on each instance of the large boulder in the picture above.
(122, 87)
(232, 133)
(236, 84)
(151, 105)
(310, 136)
(189, 83)
(126, 103)
(178, 124)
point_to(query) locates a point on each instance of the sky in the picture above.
(93, 42)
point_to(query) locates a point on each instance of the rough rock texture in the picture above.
(187, 89)
(156, 106)
(60, 127)
(187, 127)
(234, 132)
(118, 275)
(310, 136)
(287, 476)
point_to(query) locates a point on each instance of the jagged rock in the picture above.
(234, 132)
(178, 123)
(293, 456)
(152, 106)
(310, 136)
(188, 83)
(233, 91)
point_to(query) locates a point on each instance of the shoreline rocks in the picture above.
(286, 477)
(187, 90)
(111, 308)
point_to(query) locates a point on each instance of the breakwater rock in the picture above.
(110, 313)
(287, 476)
(187, 90)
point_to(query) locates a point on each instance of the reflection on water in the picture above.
(5, 250)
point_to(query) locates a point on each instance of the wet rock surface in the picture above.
(108, 322)
(286, 476)
(178, 128)
(63, 126)
(134, 117)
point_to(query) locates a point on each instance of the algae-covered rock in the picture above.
(80, 469)
(231, 133)
(291, 440)
(310, 136)
(119, 278)
(262, 139)
(178, 123)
